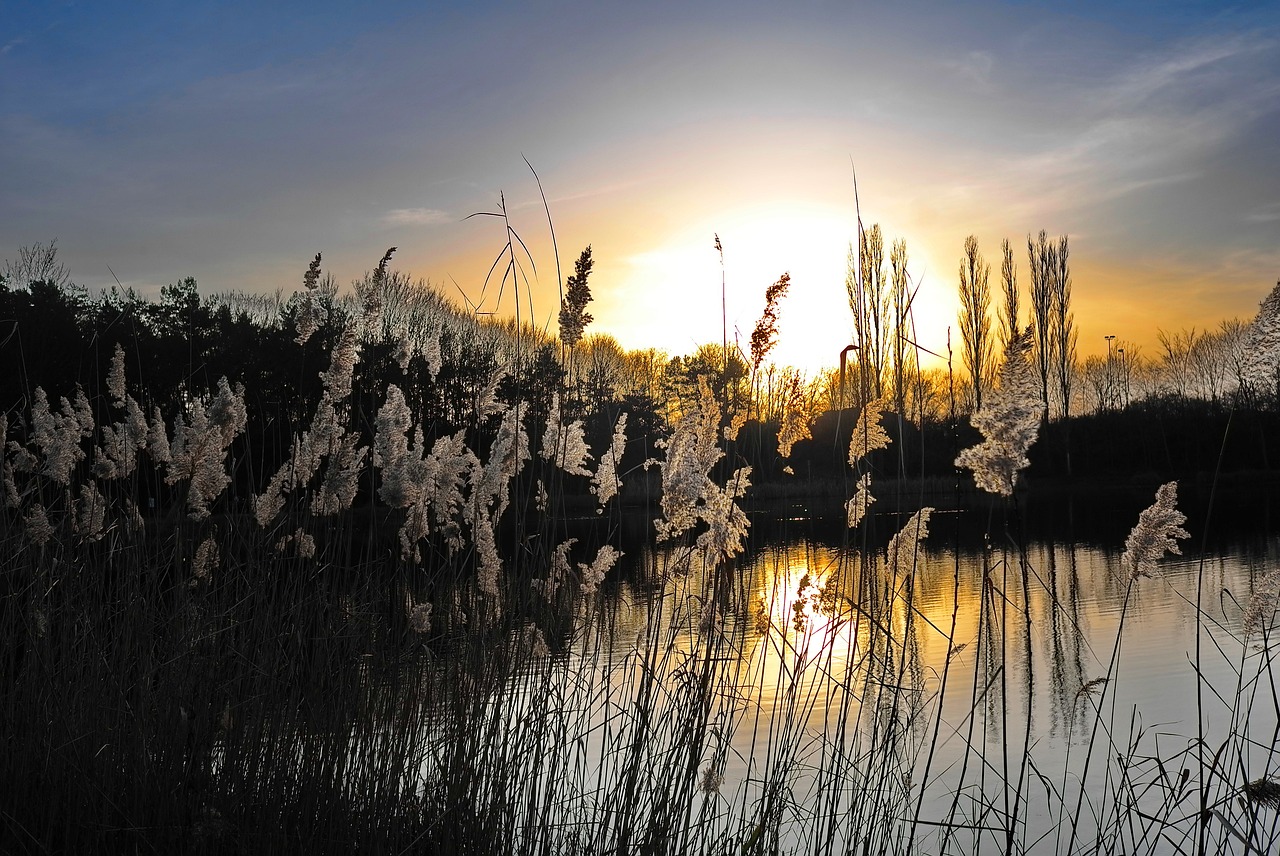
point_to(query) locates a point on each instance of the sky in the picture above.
(232, 141)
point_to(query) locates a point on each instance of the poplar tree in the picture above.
(975, 323)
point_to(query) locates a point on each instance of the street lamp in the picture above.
(1110, 381)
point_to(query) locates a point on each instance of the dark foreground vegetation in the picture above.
(298, 576)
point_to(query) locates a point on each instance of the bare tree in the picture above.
(36, 263)
(869, 303)
(900, 292)
(975, 323)
(1040, 259)
(1064, 325)
(1009, 309)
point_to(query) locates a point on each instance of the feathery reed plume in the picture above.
(1262, 604)
(115, 376)
(420, 618)
(197, 452)
(565, 445)
(901, 552)
(57, 436)
(90, 513)
(593, 574)
(605, 483)
(795, 418)
(559, 572)
(868, 434)
(692, 450)
(573, 315)
(765, 335)
(1264, 792)
(206, 562)
(36, 524)
(430, 487)
(856, 507)
(12, 499)
(1009, 420)
(309, 315)
(1158, 526)
(118, 454)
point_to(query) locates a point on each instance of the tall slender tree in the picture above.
(1009, 320)
(975, 322)
(901, 298)
(1040, 259)
(1064, 325)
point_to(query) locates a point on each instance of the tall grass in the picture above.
(395, 645)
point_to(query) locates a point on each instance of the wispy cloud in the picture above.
(415, 217)
(11, 44)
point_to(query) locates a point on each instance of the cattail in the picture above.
(605, 484)
(1009, 420)
(856, 507)
(868, 434)
(1158, 527)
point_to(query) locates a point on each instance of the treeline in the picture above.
(1133, 414)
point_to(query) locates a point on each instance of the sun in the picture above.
(682, 292)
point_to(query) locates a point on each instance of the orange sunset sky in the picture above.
(231, 142)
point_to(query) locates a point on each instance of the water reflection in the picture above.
(931, 686)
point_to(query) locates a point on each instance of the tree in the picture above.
(37, 263)
(1040, 256)
(1009, 321)
(869, 303)
(1064, 326)
(975, 323)
(901, 299)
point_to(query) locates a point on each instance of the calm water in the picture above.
(827, 654)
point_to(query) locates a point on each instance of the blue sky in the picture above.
(232, 141)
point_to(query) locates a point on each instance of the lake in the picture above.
(959, 702)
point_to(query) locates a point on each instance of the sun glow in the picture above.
(670, 296)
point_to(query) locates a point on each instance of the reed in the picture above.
(391, 641)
